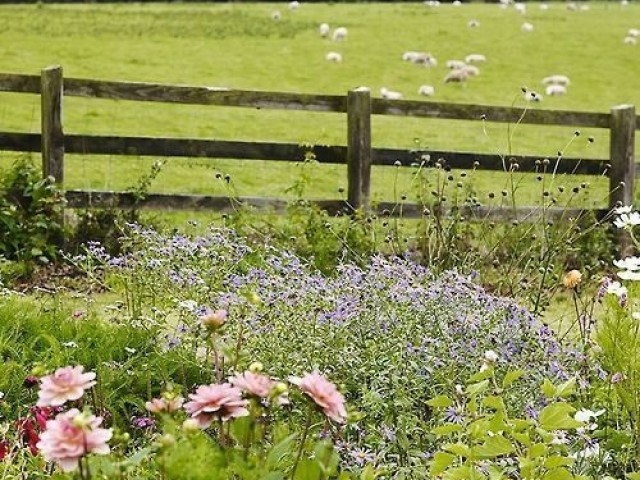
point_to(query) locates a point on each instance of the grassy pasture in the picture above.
(239, 46)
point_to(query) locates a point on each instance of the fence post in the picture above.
(622, 175)
(51, 117)
(359, 148)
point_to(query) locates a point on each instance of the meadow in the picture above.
(240, 46)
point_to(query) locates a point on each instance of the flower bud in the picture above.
(256, 367)
(190, 425)
(214, 320)
(166, 440)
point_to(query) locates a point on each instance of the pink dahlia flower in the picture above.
(324, 393)
(216, 401)
(72, 435)
(157, 405)
(68, 383)
(258, 385)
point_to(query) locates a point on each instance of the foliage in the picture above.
(30, 216)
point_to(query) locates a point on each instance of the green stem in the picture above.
(307, 426)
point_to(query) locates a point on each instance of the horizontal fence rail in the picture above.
(358, 155)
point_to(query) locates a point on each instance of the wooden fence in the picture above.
(358, 154)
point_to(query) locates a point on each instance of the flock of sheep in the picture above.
(461, 70)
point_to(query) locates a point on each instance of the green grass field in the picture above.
(240, 46)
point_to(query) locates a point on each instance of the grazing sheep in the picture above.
(630, 40)
(339, 34)
(475, 58)
(471, 70)
(473, 23)
(432, 3)
(324, 30)
(552, 90)
(425, 59)
(409, 56)
(585, 8)
(294, 5)
(572, 7)
(544, 6)
(390, 94)
(275, 15)
(426, 90)
(455, 64)
(334, 57)
(531, 96)
(526, 27)
(556, 80)
(456, 3)
(457, 76)
(624, 3)
(520, 8)
(634, 32)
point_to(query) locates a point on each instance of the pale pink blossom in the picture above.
(258, 385)
(68, 383)
(324, 393)
(72, 435)
(157, 405)
(216, 401)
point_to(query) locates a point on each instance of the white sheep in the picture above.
(334, 57)
(544, 6)
(630, 40)
(572, 7)
(473, 23)
(390, 94)
(458, 75)
(275, 15)
(294, 5)
(531, 96)
(409, 56)
(324, 30)
(432, 3)
(475, 58)
(520, 8)
(456, 3)
(472, 70)
(634, 32)
(624, 3)
(339, 34)
(426, 90)
(555, 89)
(556, 80)
(455, 64)
(526, 27)
(585, 8)
(425, 59)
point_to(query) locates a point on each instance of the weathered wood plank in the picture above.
(359, 148)
(455, 111)
(145, 146)
(51, 124)
(17, 83)
(155, 92)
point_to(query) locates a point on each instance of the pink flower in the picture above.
(216, 401)
(68, 383)
(259, 385)
(157, 405)
(70, 436)
(324, 393)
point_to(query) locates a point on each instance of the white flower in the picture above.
(623, 210)
(189, 305)
(559, 438)
(70, 344)
(615, 288)
(629, 263)
(459, 390)
(635, 315)
(1, 395)
(584, 415)
(588, 452)
(627, 220)
(484, 367)
(129, 350)
(491, 356)
(629, 275)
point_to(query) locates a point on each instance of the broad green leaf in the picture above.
(548, 388)
(556, 461)
(479, 376)
(537, 450)
(558, 474)
(566, 389)
(557, 416)
(459, 449)
(633, 476)
(476, 388)
(279, 450)
(441, 401)
(463, 473)
(511, 377)
(446, 429)
(493, 402)
(494, 447)
(441, 461)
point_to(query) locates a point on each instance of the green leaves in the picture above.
(557, 416)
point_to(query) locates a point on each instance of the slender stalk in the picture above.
(307, 426)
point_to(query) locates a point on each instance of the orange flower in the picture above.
(572, 279)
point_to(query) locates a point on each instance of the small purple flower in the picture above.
(361, 457)
(142, 422)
